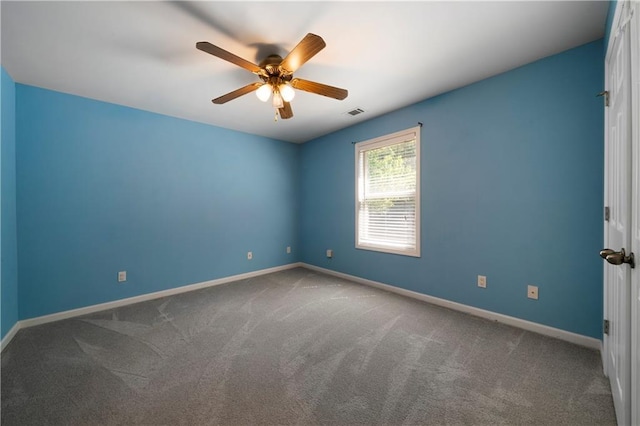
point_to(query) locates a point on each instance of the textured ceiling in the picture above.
(387, 54)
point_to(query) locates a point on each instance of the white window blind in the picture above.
(388, 194)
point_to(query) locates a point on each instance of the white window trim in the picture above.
(379, 142)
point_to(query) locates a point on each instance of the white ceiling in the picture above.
(387, 54)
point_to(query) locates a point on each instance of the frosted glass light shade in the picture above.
(287, 92)
(277, 100)
(264, 92)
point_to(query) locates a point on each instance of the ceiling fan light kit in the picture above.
(264, 92)
(277, 100)
(287, 92)
(283, 92)
(277, 75)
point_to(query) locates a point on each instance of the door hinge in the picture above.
(605, 327)
(607, 213)
(606, 97)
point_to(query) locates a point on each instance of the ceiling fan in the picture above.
(277, 75)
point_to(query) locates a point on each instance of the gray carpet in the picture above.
(296, 347)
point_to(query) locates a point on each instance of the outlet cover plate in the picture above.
(532, 292)
(482, 281)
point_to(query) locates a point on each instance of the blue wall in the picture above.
(103, 188)
(512, 188)
(9, 268)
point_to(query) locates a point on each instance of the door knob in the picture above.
(618, 257)
(606, 252)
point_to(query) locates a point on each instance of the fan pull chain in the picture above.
(275, 116)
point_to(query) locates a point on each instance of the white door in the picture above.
(618, 164)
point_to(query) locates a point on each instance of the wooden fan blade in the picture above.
(319, 88)
(308, 47)
(237, 93)
(205, 46)
(286, 111)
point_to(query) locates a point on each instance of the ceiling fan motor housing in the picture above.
(272, 73)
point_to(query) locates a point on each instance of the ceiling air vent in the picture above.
(355, 111)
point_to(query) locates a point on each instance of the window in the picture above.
(388, 193)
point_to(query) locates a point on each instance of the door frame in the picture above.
(635, 225)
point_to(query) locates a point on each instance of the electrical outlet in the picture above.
(329, 253)
(122, 276)
(482, 281)
(288, 250)
(249, 255)
(532, 292)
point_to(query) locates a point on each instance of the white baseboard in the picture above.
(568, 336)
(136, 299)
(7, 338)
(578, 339)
